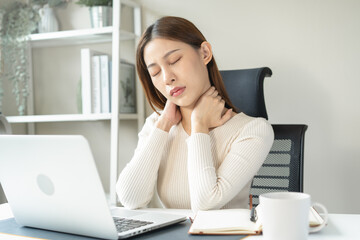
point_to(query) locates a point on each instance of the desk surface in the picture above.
(340, 226)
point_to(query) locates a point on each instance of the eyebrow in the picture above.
(165, 56)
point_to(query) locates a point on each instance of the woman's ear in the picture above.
(205, 51)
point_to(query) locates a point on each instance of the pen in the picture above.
(253, 216)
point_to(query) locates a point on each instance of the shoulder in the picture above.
(245, 125)
(249, 121)
(241, 120)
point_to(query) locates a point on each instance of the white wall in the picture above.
(313, 48)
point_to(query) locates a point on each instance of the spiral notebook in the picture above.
(234, 222)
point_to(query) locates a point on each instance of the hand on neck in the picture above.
(191, 126)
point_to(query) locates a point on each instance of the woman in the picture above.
(197, 152)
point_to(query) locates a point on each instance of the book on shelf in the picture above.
(95, 81)
(86, 76)
(110, 83)
(95, 84)
(96, 78)
(234, 221)
(105, 83)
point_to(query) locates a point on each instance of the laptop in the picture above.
(51, 182)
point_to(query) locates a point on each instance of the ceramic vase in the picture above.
(48, 21)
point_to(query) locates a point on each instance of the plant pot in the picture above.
(100, 16)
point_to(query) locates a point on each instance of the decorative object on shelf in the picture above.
(100, 12)
(5, 127)
(127, 88)
(79, 97)
(19, 21)
(48, 21)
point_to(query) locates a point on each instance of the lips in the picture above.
(177, 91)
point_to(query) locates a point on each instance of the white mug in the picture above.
(285, 215)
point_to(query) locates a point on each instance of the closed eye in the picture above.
(154, 75)
(175, 61)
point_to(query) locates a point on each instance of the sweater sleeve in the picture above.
(136, 183)
(212, 188)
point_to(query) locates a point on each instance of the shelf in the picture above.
(68, 117)
(114, 39)
(76, 37)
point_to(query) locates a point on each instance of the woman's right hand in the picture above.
(169, 117)
(209, 112)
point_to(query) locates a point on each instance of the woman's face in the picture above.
(178, 70)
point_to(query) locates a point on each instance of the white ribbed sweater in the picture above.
(201, 171)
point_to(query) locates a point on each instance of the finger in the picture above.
(169, 105)
(218, 97)
(215, 93)
(210, 91)
(226, 116)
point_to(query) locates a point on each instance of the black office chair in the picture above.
(283, 167)
(246, 89)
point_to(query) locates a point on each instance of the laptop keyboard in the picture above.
(125, 224)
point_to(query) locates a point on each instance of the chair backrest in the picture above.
(246, 89)
(283, 167)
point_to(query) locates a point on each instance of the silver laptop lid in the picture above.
(51, 182)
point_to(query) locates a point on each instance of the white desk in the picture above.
(340, 226)
(5, 211)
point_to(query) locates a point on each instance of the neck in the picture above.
(186, 118)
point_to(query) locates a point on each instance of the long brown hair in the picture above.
(177, 29)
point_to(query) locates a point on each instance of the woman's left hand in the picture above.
(209, 112)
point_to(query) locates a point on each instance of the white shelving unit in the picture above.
(74, 37)
(113, 35)
(68, 118)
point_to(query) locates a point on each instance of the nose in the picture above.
(168, 76)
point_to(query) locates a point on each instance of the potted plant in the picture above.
(19, 21)
(2, 14)
(100, 12)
